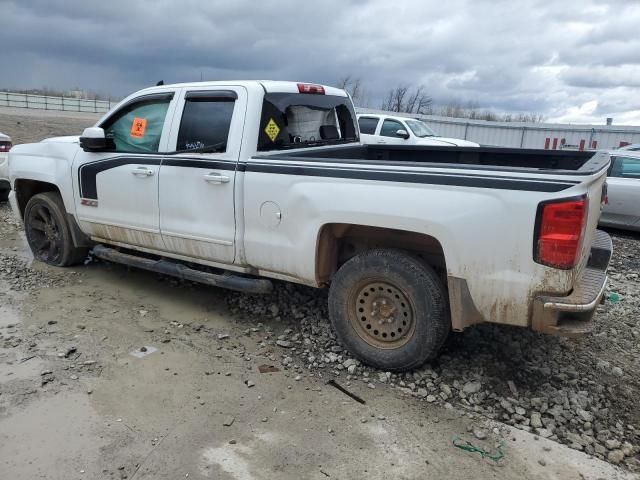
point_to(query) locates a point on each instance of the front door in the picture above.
(197, 181)
(388, 135)
(116, 192)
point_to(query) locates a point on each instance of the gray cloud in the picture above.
(532, 55)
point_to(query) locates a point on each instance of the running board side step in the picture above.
(232, 282)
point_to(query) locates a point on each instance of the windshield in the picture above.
(297, 120)
(420, 129)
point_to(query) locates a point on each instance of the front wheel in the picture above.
(389, 309)
(48, 232)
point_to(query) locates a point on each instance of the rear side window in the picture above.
(368, 125)
(205, 122)
(390, 127)
(626, 167)
(297, 120)
(137, 127)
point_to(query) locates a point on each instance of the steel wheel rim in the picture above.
(44, 234)
(382, 314)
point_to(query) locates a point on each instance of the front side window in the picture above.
(390, 127)
(626, 167)
(137, 128)
(205, 123)
(368, 125)
(297, 120)
(420, 129)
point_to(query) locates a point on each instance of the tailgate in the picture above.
(595, 194)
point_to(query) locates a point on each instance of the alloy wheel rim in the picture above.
(44, 234)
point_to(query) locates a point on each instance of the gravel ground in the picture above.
(579, 392)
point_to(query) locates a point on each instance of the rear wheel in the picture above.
(48, 232)
(4, 195)
(389, 309)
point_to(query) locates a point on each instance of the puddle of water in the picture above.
(55, 438)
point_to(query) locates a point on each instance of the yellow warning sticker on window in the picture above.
(272, 130)
(138, 127)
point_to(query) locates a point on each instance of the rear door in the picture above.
(368, 126)
(623, 208)
(196, 192)
(116, 191)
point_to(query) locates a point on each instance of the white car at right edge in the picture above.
(378, 129)
(623, 206)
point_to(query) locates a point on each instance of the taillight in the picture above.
(560, 227)
(310, 88)
(5, 146)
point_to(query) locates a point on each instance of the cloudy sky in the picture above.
(572, 61)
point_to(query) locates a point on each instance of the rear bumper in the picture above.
(572, 315)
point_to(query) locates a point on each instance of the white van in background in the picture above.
(377, 129)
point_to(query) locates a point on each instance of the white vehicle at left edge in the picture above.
(5, 185)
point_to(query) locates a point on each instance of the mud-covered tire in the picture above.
(389, 309)
(48, 232)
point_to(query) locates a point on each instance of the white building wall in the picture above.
(528, 135)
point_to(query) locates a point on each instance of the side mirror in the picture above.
(402, 133)
(94, 140)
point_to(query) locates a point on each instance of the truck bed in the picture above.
(483, 158)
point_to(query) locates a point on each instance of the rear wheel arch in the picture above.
(338, 242)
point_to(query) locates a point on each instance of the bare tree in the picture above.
(418, 102)
(407, 99)
(472, 111)
(354, 86)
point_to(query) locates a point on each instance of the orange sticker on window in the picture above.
(138, 127)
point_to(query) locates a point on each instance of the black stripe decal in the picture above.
(351, 168)
(502, 183)
(88, 172)
(210, 164)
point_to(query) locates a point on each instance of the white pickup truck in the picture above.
(236, 183)
(383, 129)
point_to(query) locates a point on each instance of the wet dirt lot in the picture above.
(80, 398)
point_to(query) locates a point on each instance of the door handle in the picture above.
(215, 178)
(143, 172)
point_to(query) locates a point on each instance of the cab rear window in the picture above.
(297, 120)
